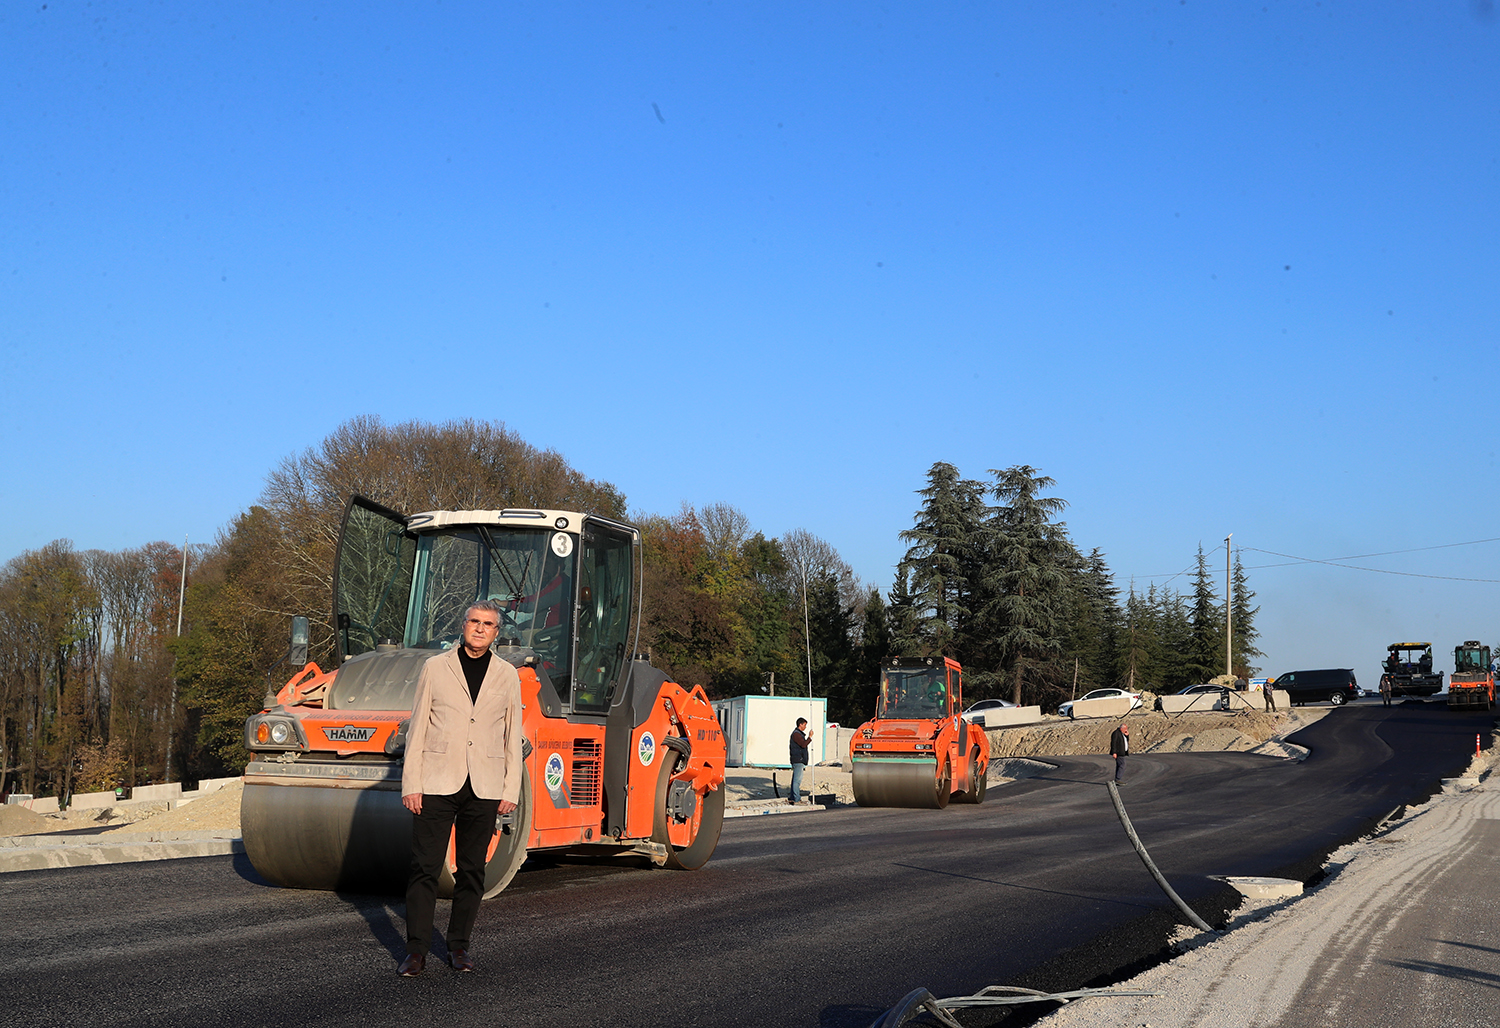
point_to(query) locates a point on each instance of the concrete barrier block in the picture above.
(171, 791)
(1114, 706)
(91, 800)
(209, 785)
(999, 717)
(1254, 699)
(44, 805)
(1203, 701)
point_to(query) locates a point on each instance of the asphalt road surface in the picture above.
(814, 919)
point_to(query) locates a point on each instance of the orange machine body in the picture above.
(918, 751)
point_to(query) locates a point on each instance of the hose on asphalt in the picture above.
(919, 1002)
(1140, 849)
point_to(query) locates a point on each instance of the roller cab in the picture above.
(617, 758)
(918, 751)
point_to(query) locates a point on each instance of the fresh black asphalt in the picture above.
(812, 919)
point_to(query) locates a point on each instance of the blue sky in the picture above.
(1213, 267)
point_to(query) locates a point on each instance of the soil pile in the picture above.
(218, 811)
(16, 820)
(1155, 732)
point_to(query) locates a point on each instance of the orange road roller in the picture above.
(918, 751)
(627, 762)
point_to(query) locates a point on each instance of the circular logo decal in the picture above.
(562, 544)
(553, 773)
(646, 750)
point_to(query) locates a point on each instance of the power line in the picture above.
(1335, 563)
(1291, 560)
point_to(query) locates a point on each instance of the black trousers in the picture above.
(474, 821)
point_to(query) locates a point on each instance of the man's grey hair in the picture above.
(489, 605)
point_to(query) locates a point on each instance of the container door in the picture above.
(371, 577)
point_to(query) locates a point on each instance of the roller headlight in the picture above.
(280, 732)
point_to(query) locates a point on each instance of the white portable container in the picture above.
(758, 729)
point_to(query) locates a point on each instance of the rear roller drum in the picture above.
(687, 822)
(978, 785)
(507, 848)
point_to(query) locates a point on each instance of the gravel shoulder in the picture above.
(1376, 932)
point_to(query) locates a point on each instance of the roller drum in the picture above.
(898, 783)
(327, 837)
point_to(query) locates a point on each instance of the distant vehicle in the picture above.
(1472, 686)
(1196, 690)
(1408, 669)
(1066, 710)
(975, 714)
(1335, 685)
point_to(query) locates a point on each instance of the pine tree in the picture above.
(1094, 623)
(1245, 634)
(945, 558)
(1205, 656)
(1026, 576)
(905, 627)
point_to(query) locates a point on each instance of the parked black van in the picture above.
(1336, 685)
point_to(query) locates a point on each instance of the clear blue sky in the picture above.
(1215, 267)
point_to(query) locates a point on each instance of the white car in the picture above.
(1066, 710)
(975, 714)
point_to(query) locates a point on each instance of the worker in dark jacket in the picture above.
(799, 744)
(1119, 746)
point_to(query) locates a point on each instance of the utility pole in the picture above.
(806, 632)
(1228, 610)
(172, 705)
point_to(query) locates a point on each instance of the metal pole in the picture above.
(1228, 610)
(806, 630)
(172, 705)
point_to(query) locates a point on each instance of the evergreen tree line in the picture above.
(96, 687)
(992, 579)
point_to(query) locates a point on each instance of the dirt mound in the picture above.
(1151, 732)
(218, 811)
(16, 820)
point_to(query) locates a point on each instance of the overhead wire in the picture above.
(1292, 560)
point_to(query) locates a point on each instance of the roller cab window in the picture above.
(528, 573)
(914, 693)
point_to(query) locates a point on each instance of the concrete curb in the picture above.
(761, 807)
(39, 852)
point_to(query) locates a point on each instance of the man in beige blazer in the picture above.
(463, 767)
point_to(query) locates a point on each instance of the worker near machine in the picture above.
(1119, 746)
(799, 746)
(463, 767)
(1385, 689)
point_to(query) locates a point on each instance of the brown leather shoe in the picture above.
(413, 965)
(460, 960)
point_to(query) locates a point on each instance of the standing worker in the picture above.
(1119, 746)
(463, 767)
(1385, 689)
(799, 744)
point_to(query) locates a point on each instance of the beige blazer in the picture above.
(451, 738)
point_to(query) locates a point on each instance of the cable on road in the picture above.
(1140, 849)
(920, 1002)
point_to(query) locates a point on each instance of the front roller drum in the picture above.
(889, 782)
(339, 839)
(327, 837)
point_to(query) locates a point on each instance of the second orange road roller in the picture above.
(618, 760)
(918, 751)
